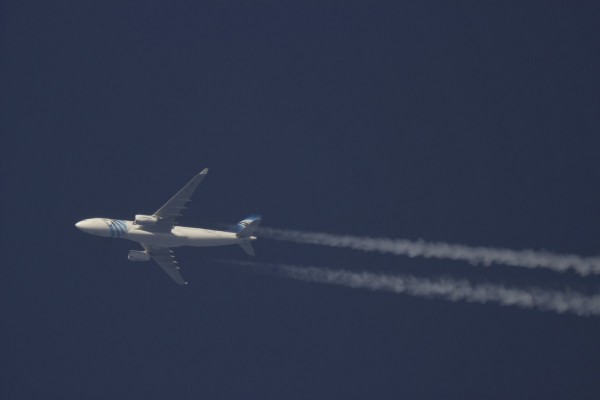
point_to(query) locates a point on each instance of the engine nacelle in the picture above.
(137, 255)
(145, 220)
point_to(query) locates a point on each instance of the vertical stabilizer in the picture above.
(246, 227)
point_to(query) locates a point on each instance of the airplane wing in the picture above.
(173, 208)
(166, 260)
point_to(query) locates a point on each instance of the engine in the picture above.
(145, 220)
(137, 255)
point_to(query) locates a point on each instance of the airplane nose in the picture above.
(94, 226)
(83, 225)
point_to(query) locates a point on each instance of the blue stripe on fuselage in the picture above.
(117, 228)
(120, 227)
(124, 226)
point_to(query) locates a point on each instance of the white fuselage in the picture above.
(153, 236)
(183, 236)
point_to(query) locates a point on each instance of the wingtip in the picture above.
(204, 171)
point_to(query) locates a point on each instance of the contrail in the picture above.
(443, 288)
(419, 248)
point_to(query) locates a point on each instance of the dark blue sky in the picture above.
(466, 122)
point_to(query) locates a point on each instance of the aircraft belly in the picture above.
(159, 239)
(199, 242)
(183, 236)
(206, 237)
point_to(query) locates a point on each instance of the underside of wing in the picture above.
(173, 208)
(166, 260)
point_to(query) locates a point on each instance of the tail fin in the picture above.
(246, 227)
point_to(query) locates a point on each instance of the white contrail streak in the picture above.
(419, 248)
(444, 288)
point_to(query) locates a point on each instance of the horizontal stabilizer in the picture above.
(247, 246)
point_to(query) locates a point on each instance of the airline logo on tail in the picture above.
(247, 226)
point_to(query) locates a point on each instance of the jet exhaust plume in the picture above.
(419, 248)
(452, 290)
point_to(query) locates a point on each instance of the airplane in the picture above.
(159, 232)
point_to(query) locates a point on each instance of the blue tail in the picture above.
(246, 227)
